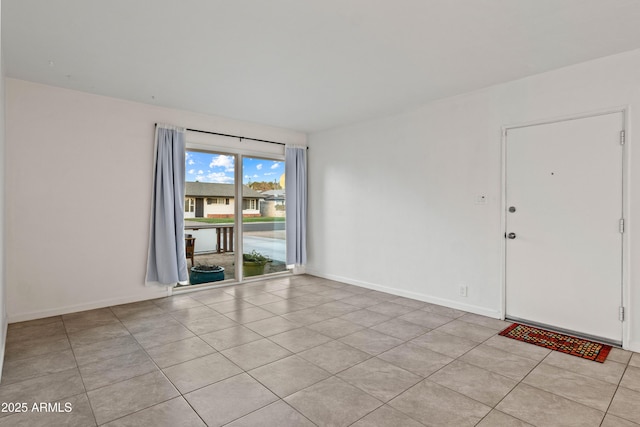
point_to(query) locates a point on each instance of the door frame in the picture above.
(626, 262)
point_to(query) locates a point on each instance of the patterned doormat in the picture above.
(559, 342)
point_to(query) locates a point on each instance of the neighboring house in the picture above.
(273, 204)
(211, 200)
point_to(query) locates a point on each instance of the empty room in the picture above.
(319, 213)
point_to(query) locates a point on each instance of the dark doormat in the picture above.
(559, 342)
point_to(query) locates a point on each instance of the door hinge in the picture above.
(622, 137)
(621, 314)
(621, 225)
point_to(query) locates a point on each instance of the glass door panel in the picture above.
(263, 216)
(210, 216)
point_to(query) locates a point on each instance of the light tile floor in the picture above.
(302, 351)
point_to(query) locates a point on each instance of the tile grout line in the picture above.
(457, 392)
(331, 375)
(160, 370)
(76, 368)
(86, 392)
(136, 376)
(267, 337)
(514, 387)
(563, 397)
(616, 392)
(331, 339)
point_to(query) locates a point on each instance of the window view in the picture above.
(210, 222)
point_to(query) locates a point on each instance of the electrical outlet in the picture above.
(463, 290)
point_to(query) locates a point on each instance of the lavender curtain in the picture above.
(296, 207)
(166, 262)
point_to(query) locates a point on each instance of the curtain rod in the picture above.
(236, 136)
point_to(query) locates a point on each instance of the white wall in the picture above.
(87, 160)
(426, 167)
(3, 311)
(219, 208)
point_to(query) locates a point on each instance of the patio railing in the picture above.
(212, 237)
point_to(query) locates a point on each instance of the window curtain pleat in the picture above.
(167, 263)
(296, 204)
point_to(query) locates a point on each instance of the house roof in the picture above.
(274, 194)
(211, 189)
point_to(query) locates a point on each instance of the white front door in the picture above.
(564, 200)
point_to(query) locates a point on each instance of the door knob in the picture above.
(512, 209)
(511, 235)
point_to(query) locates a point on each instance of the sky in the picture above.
(210, 167)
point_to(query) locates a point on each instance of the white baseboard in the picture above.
(408, 294)
(299, 269)
(57, 311)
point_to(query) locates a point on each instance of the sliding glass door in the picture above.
(234, 228)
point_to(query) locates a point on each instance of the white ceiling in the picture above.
(304, 64)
